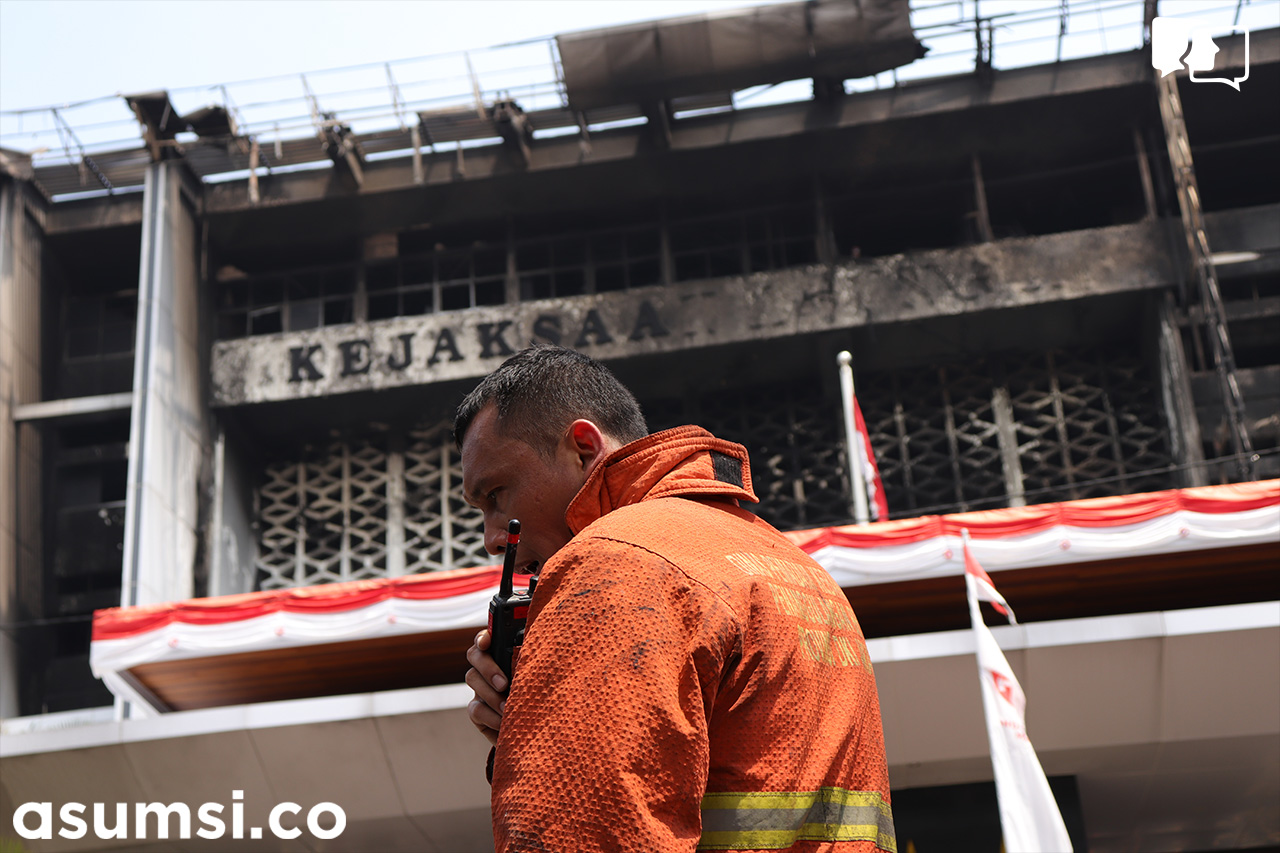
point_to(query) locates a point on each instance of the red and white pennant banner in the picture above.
(902, 550)
(1029, 815)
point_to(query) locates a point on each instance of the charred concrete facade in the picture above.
(220, 387)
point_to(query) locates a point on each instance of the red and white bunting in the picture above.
(903, 550)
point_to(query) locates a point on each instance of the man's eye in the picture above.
(492, 497)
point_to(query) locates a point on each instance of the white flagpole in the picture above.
(857, 480)
(1029, 815)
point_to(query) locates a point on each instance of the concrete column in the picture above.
(824, 238)
(231, 540)
(169, 428)
(981, 212)
(1007, 432)
(20, 247)
(1175, 392)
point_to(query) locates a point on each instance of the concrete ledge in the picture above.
(407, 351)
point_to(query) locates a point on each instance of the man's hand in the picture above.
(489, 684)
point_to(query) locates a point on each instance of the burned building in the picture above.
(230, 355)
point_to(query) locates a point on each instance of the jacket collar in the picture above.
(686, 461)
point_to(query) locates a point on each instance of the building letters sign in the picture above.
(358, 356)
(432, 348)
(762, 307)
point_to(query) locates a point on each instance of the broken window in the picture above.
(287, 301)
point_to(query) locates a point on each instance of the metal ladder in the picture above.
(1204, 274)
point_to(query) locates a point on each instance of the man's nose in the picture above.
(495, 538)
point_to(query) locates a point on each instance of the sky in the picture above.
(64, 52)
(60, 51)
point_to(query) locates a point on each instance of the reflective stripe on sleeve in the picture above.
(775, 821)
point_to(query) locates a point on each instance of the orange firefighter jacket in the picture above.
(689, 678)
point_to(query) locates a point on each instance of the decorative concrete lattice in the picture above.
(1075, 424)
(1088, 426)
(1083, 424)
(357, 510)
(441, 530)
(935, 437)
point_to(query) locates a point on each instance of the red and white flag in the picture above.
(1029, 814)
(869, 500)
(876, 501)
(981, 582)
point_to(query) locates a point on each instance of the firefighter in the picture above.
(689, 679)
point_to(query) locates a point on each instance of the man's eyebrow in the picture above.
(475, 495)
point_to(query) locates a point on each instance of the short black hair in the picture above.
(542, 389)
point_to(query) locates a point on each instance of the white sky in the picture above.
(60, 51)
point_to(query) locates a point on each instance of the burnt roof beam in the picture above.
(211, 122)
(514, 128)
(658, 116)
(342, 147)
(161, 124)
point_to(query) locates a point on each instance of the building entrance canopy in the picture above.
(1159, 550)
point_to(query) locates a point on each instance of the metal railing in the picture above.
(280, 116)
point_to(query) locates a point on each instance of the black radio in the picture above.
(509, 609)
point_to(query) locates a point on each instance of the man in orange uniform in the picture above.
(689, 678)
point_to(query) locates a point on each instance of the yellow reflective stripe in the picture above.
(777, 839)
(788, 800)
(761, 839)
(776, 820)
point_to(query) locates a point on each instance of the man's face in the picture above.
(506, 478)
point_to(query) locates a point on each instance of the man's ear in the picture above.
(585, 440)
